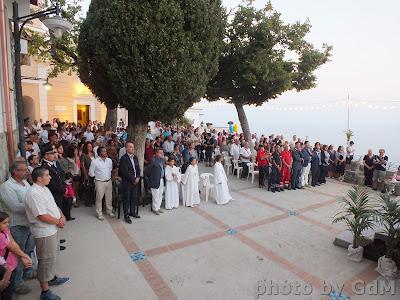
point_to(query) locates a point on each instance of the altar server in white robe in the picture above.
(221, 188)
(190, 180)
(173, 178)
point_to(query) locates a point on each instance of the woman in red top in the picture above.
(262, 160)
(148, 151)
(286, 156)
(9, 252)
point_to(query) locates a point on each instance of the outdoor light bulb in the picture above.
(47, 85)
(57, 25)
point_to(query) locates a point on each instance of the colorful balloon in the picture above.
(235, 128)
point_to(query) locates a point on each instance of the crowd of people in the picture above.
(69, 165)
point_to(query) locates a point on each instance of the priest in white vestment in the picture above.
(173, 180)
(190, 188)
(221, 189)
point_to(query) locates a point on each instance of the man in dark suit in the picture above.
(129, 171)
(155, 174)
(57, 185)
(297, 166)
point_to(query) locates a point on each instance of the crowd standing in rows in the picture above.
(69, 165)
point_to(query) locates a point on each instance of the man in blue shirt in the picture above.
(306, 151)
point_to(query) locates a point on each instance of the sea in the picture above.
(374, 127)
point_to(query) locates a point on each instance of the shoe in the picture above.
(128, 220)
(101, 218)
(156, 212)
(136, 216)
(112, 215)
(22, 289)
(62, 241)
(131, 214)
(62, 248)
(58, 280)
(49, 295)
(70, 219)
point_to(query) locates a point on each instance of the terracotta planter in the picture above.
(355, 254)
(387, 268)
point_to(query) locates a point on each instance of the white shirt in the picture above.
(121, 152)
(44, 135)
(176, 135)
(350, 151)
(39, 201)
(235, 151)
(89, 136)
(168, 146)
(101, 169)
(12, 200)
(149, 136)
(246, 154)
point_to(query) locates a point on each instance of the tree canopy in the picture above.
(60, 53)
(153, 58)
(262, 58)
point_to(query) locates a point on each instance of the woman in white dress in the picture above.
(173, 179)
(190, 180)
(222, 195)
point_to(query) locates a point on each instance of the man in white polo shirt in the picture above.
(101, 169)
(45, 218)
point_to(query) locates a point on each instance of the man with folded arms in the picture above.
(45, 219)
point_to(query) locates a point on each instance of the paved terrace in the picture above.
(213, 252)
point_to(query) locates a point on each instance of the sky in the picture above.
(366, 44)
(365, 66)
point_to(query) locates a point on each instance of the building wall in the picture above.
(24, 10)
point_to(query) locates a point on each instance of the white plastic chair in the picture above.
(207, 185)
(236, 167)
(252, 171)
(228, 163)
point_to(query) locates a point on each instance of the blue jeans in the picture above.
(23, 237)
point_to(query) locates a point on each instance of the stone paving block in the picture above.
(222, 269)
(308, 247)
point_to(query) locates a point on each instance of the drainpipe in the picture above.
(6, 81)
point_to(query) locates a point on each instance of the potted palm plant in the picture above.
(349, 134)
(389, 216)
(359, 215)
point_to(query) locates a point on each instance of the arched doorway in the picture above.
(29, 108)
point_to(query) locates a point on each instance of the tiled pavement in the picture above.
(216, 252)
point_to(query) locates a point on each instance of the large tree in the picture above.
(62, 54)
(154, 58)
(262, 58)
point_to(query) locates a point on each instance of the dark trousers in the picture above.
(368, 174)
(245, 170)
(131, 200)
(66, 208)
(295, 180)
(263, 175)
(322, 173)
(315, 171)
(275, 177)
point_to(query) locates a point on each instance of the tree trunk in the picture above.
(243, 122)
(137, 134)
(111, 119)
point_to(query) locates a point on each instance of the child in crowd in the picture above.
(173, 179)
(69, 197)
